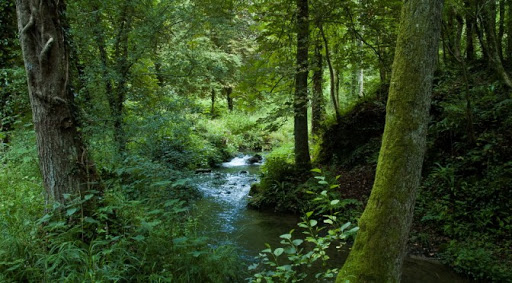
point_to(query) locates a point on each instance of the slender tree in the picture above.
(380, 246)
(63, 158)
(317, 101)
(302, 159)
(488, 19)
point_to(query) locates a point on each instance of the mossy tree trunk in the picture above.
(63, 158)
(378, 252)
(302, 159)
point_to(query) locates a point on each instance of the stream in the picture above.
(225, 218)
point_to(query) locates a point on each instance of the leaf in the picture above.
(309, 213)
(91, 220)
(297, 242)
(290, 250)
(335, 202)
(71, 211)
(328, 221)
(313, 222)
(139, 238)
(278, 251)
(353, 230)
(334, 186)
(323, 182)
(316, 170)
(286, 236)
(345, 226)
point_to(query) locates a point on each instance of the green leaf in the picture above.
(345, 226)
(328, 221)
(297, 242)
(313, 222)
(335, 202)
(139, 238)
(71, 211)
(353, 230)
(309, 213)
(316, 170)
(278, 251)
(286, 236)
(323, 182)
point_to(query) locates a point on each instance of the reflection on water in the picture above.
(226, 220)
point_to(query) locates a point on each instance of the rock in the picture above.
(255, 159)
(198, 171)
(244, 172)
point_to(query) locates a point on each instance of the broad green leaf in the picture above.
(286, 236)
(71, 211)
(345, 226)
(278, 251)
(335, 202)
(316, 170)
(313, 222)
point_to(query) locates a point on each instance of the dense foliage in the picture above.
(163, 88)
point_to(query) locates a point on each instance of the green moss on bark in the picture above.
(378, 251)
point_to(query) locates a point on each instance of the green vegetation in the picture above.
(126, 100)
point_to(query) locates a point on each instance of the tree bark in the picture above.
(501, 29)
(489, 24)
(509, 31)
(212, 108)
(470, 32)
(63, 159)
(380, 246)
(229, 91)
(302, 159)
(317, 103)
(332, 76)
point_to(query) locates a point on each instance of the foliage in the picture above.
(304, 258)
(144, 237)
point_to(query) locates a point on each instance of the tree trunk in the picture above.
(63, 159)
(380, 246)
(332, 76)
(117, 96)
(489, 25)
(302, 159)
(470, 32)
(501, 29)
(480, 35)
(317, 103)
(229, 91)
(509, 31)
(212, 108)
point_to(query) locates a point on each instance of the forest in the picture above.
(255, 140)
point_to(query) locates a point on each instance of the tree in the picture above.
(302, 159)
(317, 101)
(380, 246)
(63, 158)
(488, 19)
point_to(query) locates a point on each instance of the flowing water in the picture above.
(227, 220)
